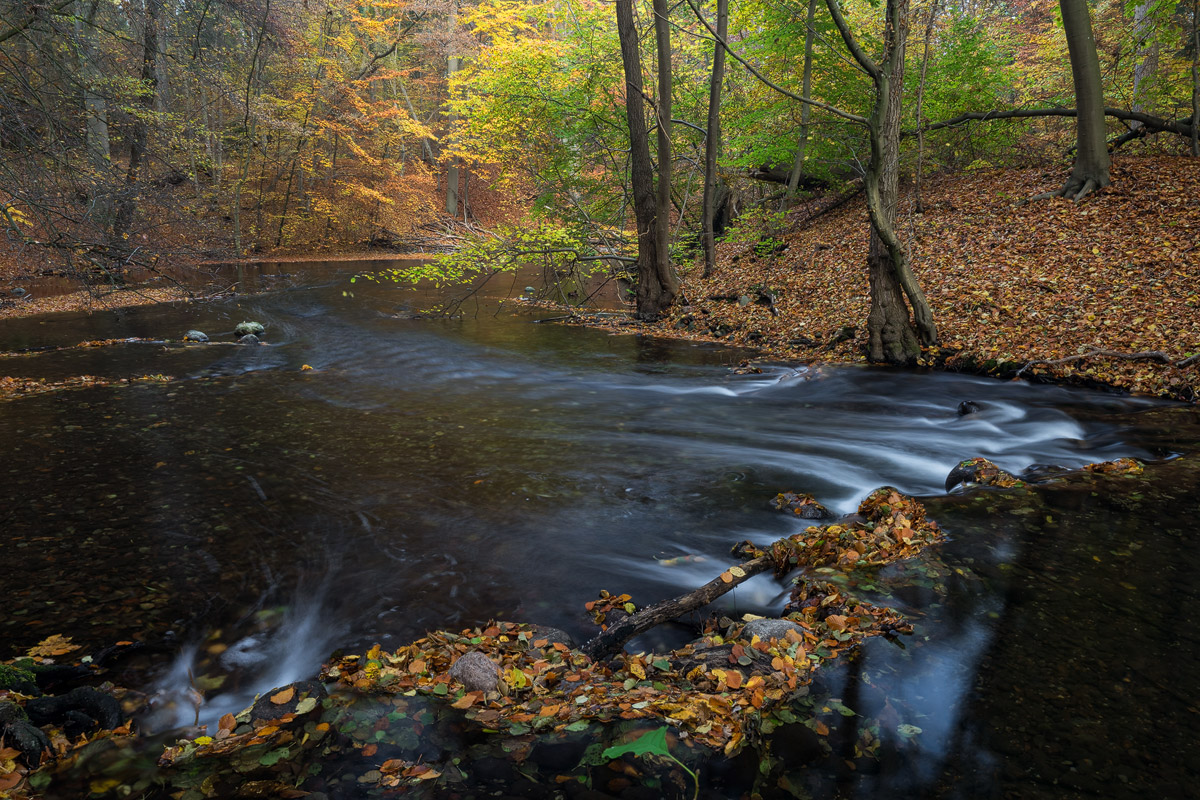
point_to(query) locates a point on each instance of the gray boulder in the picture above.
(249, 338)
(476, 672)
(195, 336)
(769, 629)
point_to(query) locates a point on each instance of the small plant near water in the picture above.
(653, 743)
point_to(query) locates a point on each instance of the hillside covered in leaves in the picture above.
(1012, 283)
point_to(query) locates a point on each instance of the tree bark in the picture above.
(1196, 78)
(805, 109)
(712, 144)
(140, 139)
(933, 10)
(95, 113)
(1146, 63)
(1090, 171)
(891, 338)
(615, 636)
(657, 284)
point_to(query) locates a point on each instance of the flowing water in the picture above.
(253, 515)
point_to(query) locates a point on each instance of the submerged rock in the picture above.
(249, 338)
(195, 336)
(246, 328)
(968, 407)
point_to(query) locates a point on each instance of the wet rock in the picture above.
(802, 505)
(18, 680)
(476, 672)
(1121, 466)
(246, 328)
(249, 338)
(968, 407)
(83, 705)
(195, 336)
(17, 731)
(266, 707)
(552, 636)
(770, 629)
(980, 472)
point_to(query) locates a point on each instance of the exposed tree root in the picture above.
(1147, 355)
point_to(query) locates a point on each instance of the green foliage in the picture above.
(651, 743)
(561, 252)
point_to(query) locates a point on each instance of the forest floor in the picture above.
(1011, 283)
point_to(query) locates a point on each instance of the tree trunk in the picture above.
(657, 285)
(95, 113)
(805, 109)
(712, 145)
(1146, 63)
(891, 337)
(933, 9)
(666, 159)
(1196, 78)
(139, 140)
(452, 177)
(1091, 154)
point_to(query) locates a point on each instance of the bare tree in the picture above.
(712, 144)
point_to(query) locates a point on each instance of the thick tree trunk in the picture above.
(712, 145)
(657, 284)
(452, 174)
(1091, 154)
(891, 337)
(805, 109)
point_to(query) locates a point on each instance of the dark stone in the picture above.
(476, 672)
(249, 338)
(558, 756)
(100, 709)
(490, 770)
(552, 636)
(195, 336)
(981, 472)
(17, 731)
(968, 407)
(264, 709)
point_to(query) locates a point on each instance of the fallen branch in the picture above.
(1182, 127)
(614, 638)
(1156, 356)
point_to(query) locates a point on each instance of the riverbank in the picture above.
(1011, 284)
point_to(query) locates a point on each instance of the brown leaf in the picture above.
(284, 697)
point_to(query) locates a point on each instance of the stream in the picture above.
(253, 516)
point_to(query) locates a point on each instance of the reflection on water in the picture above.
(436, 474)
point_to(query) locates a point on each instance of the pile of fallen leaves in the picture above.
(1011, 283)
(12, 388)
(715, 690)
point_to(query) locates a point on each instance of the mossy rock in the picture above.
(15, 679)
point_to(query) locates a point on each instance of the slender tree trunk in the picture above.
(1196, 78)
(1146, 63)
(452, 177)
(712, 144)
(139, 141)
(805, 109)
(666, 159)
(1091, 154)
(933, 10)
(95, 113)
(657, 285)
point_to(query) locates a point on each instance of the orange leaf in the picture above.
(822, 728)
(284, 697)
(227, 723)
(733, 679)
(836, 621)
(549, 711)
(727, 577)
(370, 750)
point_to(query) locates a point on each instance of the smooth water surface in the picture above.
(255, 515)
